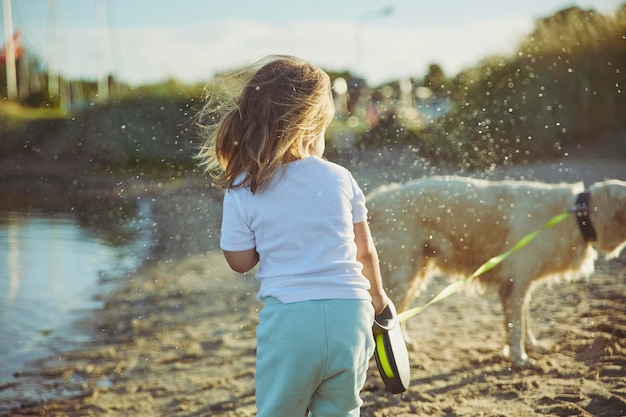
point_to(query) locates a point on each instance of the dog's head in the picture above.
(608, 215)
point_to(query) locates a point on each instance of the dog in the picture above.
(452, 225)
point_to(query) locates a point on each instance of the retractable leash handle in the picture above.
(392, 357)
(387, 319)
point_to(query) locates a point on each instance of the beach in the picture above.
(178, 336)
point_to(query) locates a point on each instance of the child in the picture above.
(303, 220)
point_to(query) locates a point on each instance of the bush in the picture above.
(561, 93)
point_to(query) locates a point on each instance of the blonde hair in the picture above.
(284, 106)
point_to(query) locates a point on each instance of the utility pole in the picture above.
(53, 66)
(103, 64)
(10, 51)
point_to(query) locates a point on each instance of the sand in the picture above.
(177, 337)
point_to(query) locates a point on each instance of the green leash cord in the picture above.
(491, 263)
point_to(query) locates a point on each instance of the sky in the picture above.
(148, 41)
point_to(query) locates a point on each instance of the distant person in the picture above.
(303, 220)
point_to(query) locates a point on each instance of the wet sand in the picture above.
(177, 338)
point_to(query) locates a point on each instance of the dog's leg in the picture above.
(532, 344)
(513, 299)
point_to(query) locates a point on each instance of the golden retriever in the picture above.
(452, 225)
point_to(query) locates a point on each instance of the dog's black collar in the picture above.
(581, 209)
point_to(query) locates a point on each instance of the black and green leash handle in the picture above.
(392, 357)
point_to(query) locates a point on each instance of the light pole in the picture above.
(9, 37)
(54, 87)
(358, 38)
(103, 50)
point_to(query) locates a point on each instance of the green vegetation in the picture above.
(148, 132)
(561, 92)
(13, 114)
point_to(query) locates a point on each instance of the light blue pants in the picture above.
(313, 354)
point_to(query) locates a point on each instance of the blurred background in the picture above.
(469, 84)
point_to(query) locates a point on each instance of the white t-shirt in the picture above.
(302, 227)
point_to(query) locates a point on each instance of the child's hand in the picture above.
(379, 302)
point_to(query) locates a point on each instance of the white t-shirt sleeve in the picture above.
(236, 235)
(359, 210)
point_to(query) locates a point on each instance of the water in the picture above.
(52, 266)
